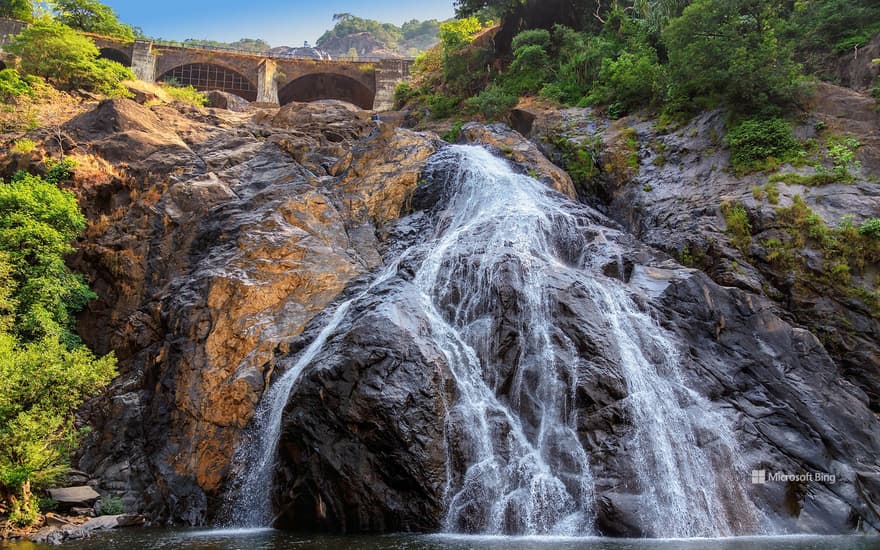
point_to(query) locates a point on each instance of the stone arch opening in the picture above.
(317, 86)
(115, 55)
(2, 65)
(208, 76)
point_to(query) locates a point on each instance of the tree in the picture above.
(44, 374)
(23, 10)
(66, 58)
(729, 49)
(92, 16)
(38, 221)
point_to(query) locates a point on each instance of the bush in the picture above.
(738, 225)
(23, 146)
(59, 171)
(67, 58)
(529, 71)
(186, 94)
(111, 506)
(442, 106)
(533, 37)
(13, 85)
(871, 228)
(493, 103)
(631, 80)
(755, 142)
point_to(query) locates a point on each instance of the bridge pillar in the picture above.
(267, 84)
(390, 73)
(143, 61)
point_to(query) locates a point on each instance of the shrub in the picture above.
(454, 133)
(631, 80)
(493, 103)
(442, 106)
(59, 171)
(532, 37)
(754, 142)
(530, 69)
(738, 225)
(45, 372)
(186, 94)
(111, 506)
(23, 146)
(13, 85)
(871, 228)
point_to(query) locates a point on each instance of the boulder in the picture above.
(225, 100)
(74, 496)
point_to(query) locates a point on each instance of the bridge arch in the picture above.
(116, 55)
(317, 86)
(211, 76)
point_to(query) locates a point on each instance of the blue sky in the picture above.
(281, 23)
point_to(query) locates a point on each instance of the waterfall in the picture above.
(486, 281)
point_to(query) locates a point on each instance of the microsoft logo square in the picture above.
(759, 477)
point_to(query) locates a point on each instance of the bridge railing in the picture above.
(272, 55)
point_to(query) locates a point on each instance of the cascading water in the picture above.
(515, 461)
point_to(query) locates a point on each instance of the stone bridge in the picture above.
(255, 77)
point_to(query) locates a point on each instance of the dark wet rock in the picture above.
(360, 452)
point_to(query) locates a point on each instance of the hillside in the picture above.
(368, 38)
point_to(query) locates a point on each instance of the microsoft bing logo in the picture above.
(759, 477)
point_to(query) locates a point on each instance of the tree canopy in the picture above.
(92, 16)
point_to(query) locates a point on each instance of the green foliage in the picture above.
(738, 225)
(23, 146)
(65, 57)
(45, 373)
(870, 228)
(454, 133)
(412, 36)
(92, 16)
(730, 50)
(13, 85)
(755, 142)
(458, 33)
(442, 106)
(631, 80)
(59, 171)
(186, 94)
(493, 103)
(842, 157)
(23, 10)
(112, 506)
(254, 45)
(38, 222)
(825, 29)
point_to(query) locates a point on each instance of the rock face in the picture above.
(669, 191)
(220, 241)
(367, 439)
(207, 274)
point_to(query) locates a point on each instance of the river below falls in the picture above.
(268, 539)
